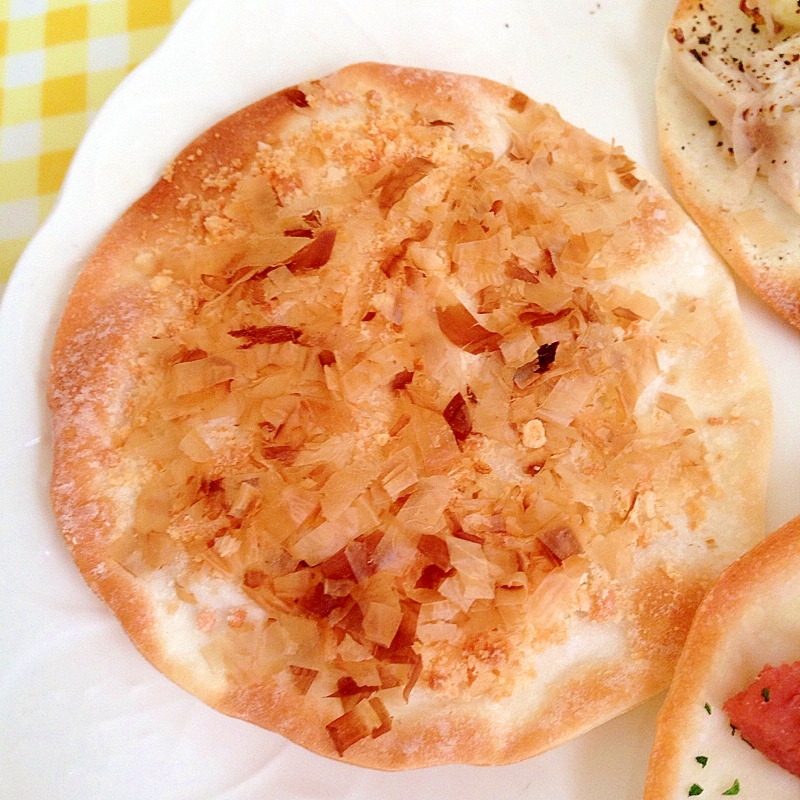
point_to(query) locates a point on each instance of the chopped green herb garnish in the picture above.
(765, 694)
(701, 760)
(734, 789)
(708, 708)
(695, 790)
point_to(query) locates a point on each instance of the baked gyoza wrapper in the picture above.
(407, 420)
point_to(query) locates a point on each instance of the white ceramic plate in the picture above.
(82, 715)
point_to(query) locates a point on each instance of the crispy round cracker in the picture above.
(749, 619)
(407, 420)
(754, 230)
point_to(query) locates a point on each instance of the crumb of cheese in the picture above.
(533, 435)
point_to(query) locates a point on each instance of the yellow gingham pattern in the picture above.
(59, 60)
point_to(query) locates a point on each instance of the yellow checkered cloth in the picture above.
(59, 60)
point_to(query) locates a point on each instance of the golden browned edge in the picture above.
(110, 303)
(776, 283)
(775, 560)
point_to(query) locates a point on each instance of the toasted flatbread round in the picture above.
(405, 419)
(713, 55)
(749, 619)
